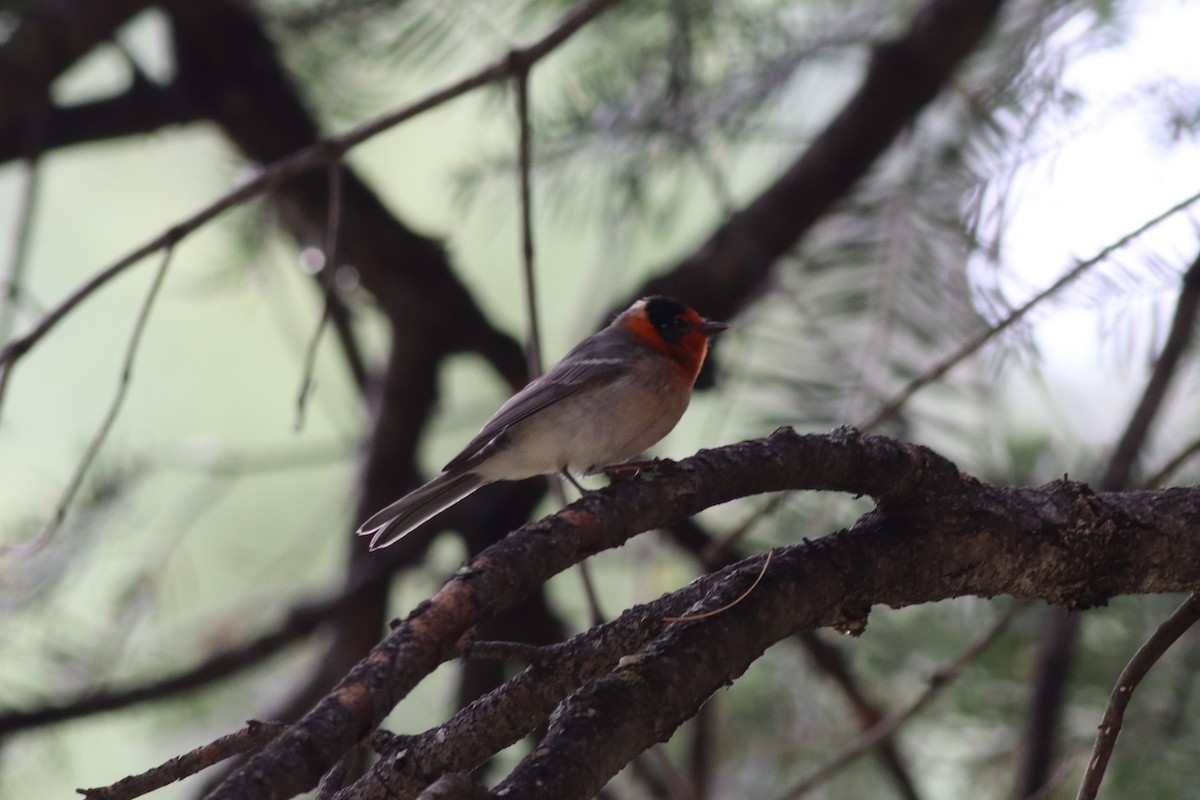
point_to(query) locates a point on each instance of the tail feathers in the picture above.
(418, 506)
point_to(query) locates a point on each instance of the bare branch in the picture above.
(1183, 324)
(329, 275)
(143, 107)
(972, 345)
(12, 287)
(501, 717)
(879, 733)
(934, 534)
(26, 549)
(251, 738)
(319, 154)
(301, 621)
(905, 74)
(533, 346)
(1146, 657)
(1060, 631)
(539, 655)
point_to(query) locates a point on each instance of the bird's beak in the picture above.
(711, 327)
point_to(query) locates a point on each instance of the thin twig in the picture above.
(1146, 657)
(679, 786)
(249, 739)
(533, 351)
(886, 727)
(315, 155)
(300, 621)
(972, 345)
(1183, 324)
(26, 549)
(1167, 470)
(332, 228)
(533, 345)
(731, 603)
(14, 282)
(1061, 631)
(590, 595)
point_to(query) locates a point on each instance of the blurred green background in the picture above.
(207, 511)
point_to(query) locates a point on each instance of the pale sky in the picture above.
(1116, 168)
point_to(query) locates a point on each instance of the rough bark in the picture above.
(934, 534)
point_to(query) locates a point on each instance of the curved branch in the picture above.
(934, 534)
(519, 706)
(1174, 626)
(1056, 651)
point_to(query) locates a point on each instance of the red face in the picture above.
(675, 330)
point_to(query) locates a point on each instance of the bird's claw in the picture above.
(631, 469)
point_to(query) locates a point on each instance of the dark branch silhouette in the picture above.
(52, 36)
(904, 75)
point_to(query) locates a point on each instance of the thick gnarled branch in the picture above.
(934, 534)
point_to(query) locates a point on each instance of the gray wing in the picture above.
(581, 368)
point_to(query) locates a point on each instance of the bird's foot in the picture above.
(630, 469)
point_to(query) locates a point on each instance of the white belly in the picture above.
(597, 428)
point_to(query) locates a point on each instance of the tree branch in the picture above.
(144, 107)
(124, 380)
(1118, 475)
(904, 75)
(51, 36)
(251, 738)
(296, 163)
(1183, 324)
(1060, 631)
(1146, 657)
(300, 622)
(714, 554)
(934, 534)
(518, 707)
(880, 732)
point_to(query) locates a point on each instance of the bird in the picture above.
(612, 396)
